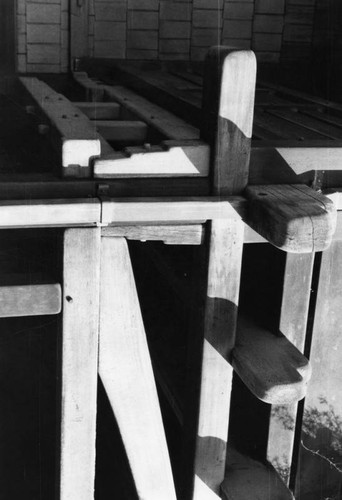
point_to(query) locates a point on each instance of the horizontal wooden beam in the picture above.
(155, 210)
(294, 218)
(49, 213)
(100, 110)
(27, 299)
(125, 132)
(78, 139)
(271, 367)
(187, 234)
(169, 125)
(172, 158)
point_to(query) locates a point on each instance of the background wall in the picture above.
(277, 30)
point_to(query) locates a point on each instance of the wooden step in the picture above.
(271, 367)
(249, 479)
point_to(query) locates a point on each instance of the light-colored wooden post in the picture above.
(293, 324)
(228, 103)
(126, 372)
(79, 362)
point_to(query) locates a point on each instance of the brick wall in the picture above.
(42, 36)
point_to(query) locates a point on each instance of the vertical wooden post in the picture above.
(320, 453)
(126, 372)
(228, 104)
(79, 363)
(79, 10)
(293, 324)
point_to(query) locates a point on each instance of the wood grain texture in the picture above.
(188, 234)
(269, 365)
(294, 218)
(296, 295)
(228, 103)
(126, 372)
(225, 253)
(79, 362)
(323, 405)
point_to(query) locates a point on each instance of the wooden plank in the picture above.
(288, 130)
(248, 478)
(126, 372)
(319, 452)
(188, 234)
(293, 324)
(99, 110)
(306, 121)
(118, 211)
(228, 102)
(269, 364)
(29, 300)
(126, 132)
(294, 218)
(79, 362)
(79, 139)
(170, 126)
(49, 213)
(175, 158)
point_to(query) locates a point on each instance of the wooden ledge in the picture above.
(294, 218)
(248, 479)
(272, 368)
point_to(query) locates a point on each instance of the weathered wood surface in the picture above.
(269, 364)
(171, 158)
(294, 218)
(126, 372)
(79, 27)
(320, 449)
(29, 299)
(221, 302)
(46, 213)
(293, 322)
(187, 234)
(78, 136)
(247, 479)
(228, 105)
(79, 350)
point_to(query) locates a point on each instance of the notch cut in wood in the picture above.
(171, 158)
(294, 218)
(272, 368)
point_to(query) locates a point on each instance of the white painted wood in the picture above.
(45, 213)
(126, 372)
(79, 362)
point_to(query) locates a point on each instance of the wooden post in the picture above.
(126, 372)
(78, 28)
(293, 324)
(79, 363)
(228, 103)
